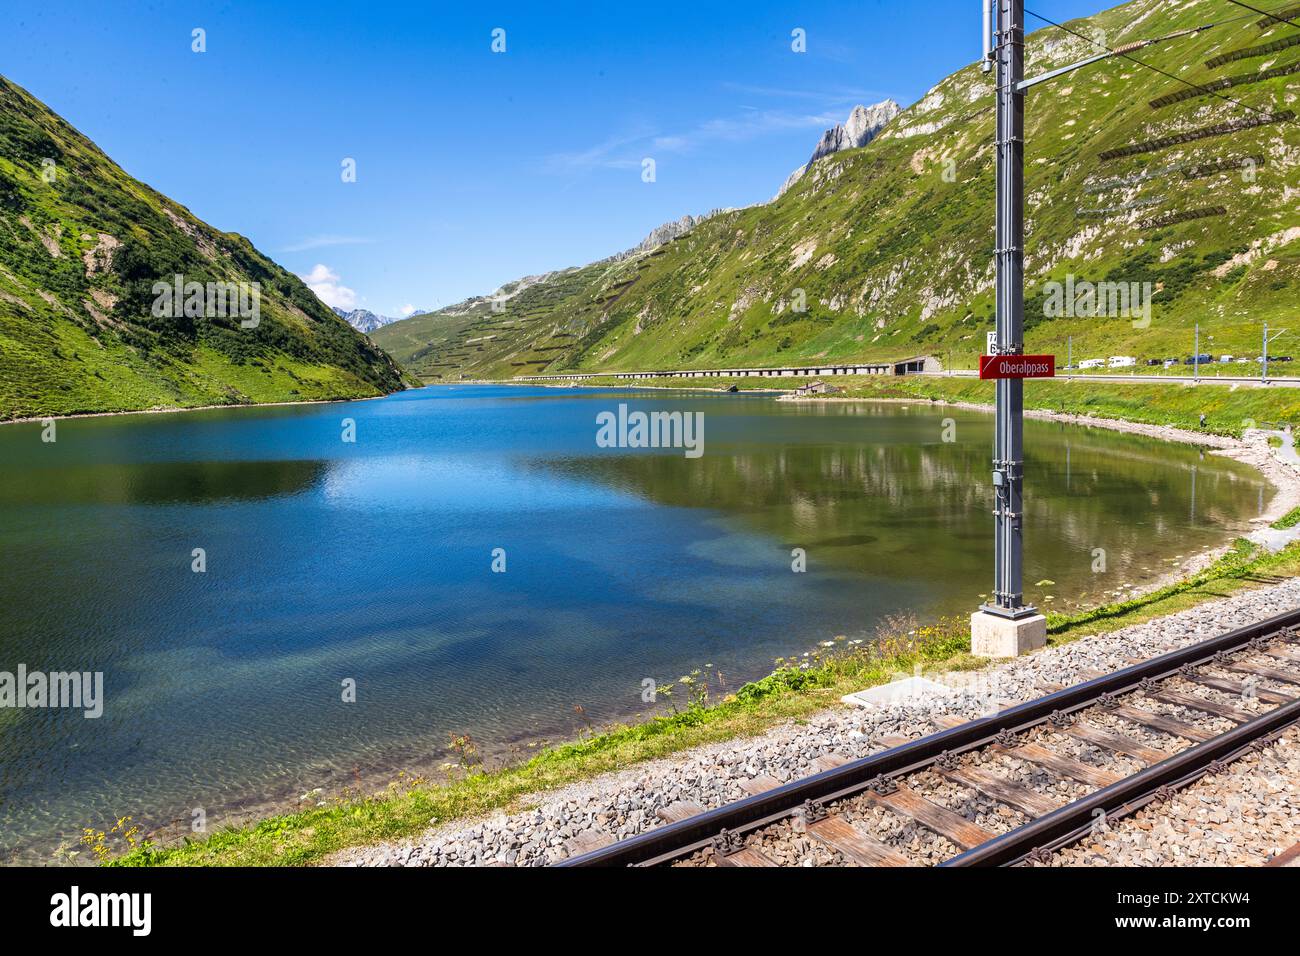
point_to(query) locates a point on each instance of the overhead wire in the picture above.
(1121, 51)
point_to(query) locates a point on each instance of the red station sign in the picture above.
(1017, 366)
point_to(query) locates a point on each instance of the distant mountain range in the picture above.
(363, 320)
(1184, 197)
(90, 261)
(863, 124)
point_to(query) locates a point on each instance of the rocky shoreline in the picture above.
(179, 409)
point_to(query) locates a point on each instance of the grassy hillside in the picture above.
(81, 245)
(895, 258)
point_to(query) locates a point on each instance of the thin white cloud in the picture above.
(669, 143)
(626, 152)
(329, 288)
(755, 123)
(602, 155)
(325, 242)
(843, 95)
(406, 310)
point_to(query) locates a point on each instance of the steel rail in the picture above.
(675, 839)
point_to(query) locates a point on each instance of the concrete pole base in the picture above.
(994, 636)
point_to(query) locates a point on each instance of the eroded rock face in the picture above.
(862, 126)
(668, 232)
(99, 258)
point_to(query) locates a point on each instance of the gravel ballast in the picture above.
(1242, 817)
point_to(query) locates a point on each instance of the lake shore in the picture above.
(179, 409)
(322, 826)
(340, 779)
(545, 828)
(406, 822)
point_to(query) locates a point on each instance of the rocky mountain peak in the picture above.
(862, 126)
(365, 321)
(668, 232)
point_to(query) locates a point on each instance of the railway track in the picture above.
(1009, 788)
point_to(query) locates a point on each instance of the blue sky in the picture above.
(473, 168)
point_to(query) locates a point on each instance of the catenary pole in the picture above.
(1004, 626)
(1008, 458)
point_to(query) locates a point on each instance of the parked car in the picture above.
(1153, 361)
(1280, 358)
(1225, 359)
(1202, 359)
(1122, 361)
(1170, 363)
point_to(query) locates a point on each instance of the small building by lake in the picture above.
(815, 388)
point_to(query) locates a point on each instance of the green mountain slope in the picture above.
(81, 246)
(894, 258)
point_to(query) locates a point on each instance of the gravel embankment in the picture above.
(625, 803)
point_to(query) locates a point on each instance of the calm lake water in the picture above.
(372, 561)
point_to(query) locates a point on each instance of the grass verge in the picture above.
(791, 691)
(1288, 520)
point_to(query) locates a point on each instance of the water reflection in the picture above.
(165, 482)
(908, 505)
